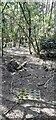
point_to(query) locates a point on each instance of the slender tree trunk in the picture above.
(36, 39)
(23, 12)
(2, 25)
(47, 7)
(43, 15)
(49, 22)
(29, 31)
(29, 24)
(20, 41)
(55, 19)
(3, 30)
(51, 14)
(2, 35)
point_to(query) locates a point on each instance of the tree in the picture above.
(3, 20)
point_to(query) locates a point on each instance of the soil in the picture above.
(32, 87)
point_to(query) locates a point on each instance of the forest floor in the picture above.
(36, 78)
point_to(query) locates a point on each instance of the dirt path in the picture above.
(33, 79)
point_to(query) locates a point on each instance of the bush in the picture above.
(48, 48)
(48, 44)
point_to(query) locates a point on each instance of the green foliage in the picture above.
(48, 44)
(22, 94)
(28, 20)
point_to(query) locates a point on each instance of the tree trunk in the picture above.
(2, 26)
(36, 39)
(55, 19)
(29, 31)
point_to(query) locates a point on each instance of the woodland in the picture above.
(28, 60)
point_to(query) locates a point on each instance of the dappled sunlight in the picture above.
(32, 58)
(26, 105)
(19, 53)
(3, 108)
(15, 114)
(37, 99)
(49, 111)
(28, 66)
(29, 116)
(35, 109)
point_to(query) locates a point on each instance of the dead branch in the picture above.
(45, 85)
(10, 109)
(22, 65)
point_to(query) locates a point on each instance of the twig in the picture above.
(45, 85)
(41, 84)
(10, 109)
